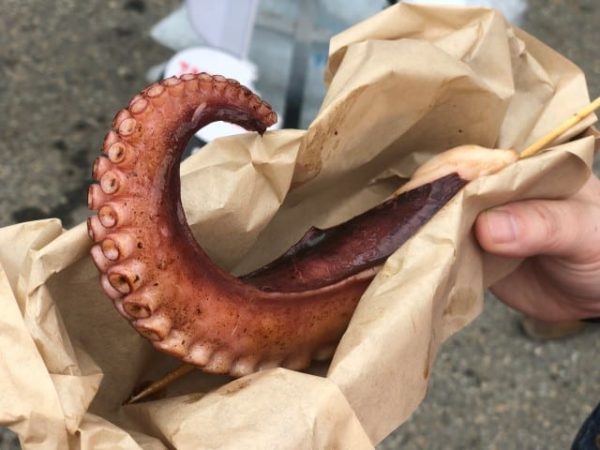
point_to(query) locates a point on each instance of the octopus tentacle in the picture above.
(155, 272)
(160, 279)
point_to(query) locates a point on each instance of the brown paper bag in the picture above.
(403, 85)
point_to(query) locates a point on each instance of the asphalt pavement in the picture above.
(67, 66)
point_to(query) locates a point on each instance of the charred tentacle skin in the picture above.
(323, 257)
(166, 286)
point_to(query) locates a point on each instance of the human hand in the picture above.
(559, 279)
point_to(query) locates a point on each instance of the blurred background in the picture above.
(66, 67)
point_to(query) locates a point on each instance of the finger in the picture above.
(524, 291)
(538, 227)
(536, 295)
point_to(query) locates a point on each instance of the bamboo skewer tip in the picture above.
(550, 137)
(161, 384)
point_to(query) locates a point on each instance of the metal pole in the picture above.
(307, 13)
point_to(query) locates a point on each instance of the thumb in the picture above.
(533, 227)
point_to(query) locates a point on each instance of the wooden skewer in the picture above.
(162, 383)
(541, 143)
(533, 149)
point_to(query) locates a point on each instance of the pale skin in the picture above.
(559, 279)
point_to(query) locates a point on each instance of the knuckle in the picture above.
(554, 232)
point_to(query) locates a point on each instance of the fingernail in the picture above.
(502, 226)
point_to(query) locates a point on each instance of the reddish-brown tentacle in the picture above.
(165, 285)
(153, 269)
(326, 256)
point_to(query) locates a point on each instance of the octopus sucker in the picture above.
(119, 306)
(120, 117)
(231, 91)
(116, 152)
(95, 196)
(220, 362)
(138, 106)
(170, 82)
(100, 167)
(109, 182)
(175, 86)
(99, 258)
(117, 212)
(118, 246)
(154, 90)
(122, 155)
(127, 127)
(136, 310)
(109, 289)
(288, 312)
(135, 99)
(175, 342)
(96, 230)
(148, 333)
(127, 276)
(120, 282)
(324, 353)
(200, 354)
(243, 366)
(110, 138)
(297, 361)
(110, 250)
(269, 364)
(158, 325)
(108, 216)
(189, 76)
(143, 303)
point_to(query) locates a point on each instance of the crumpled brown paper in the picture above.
(403, 85)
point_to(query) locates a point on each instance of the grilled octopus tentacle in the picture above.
(166, 286)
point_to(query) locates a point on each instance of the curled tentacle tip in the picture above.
(144, 248)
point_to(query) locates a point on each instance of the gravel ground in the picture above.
(66, 66)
